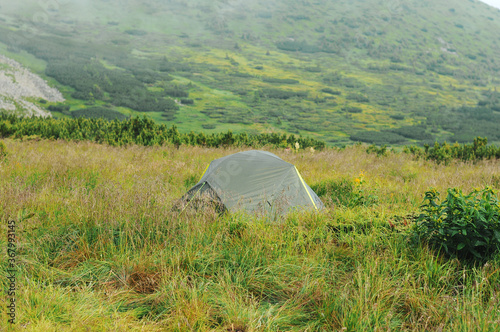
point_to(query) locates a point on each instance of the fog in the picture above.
(493, 3)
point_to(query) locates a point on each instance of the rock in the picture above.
(18, 84)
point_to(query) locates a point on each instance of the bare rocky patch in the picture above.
(18, 86)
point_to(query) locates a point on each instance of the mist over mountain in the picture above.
(493, 3)
(384, 72)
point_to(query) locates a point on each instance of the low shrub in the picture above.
(465, 226)
(99, 112)
(59, 108)
(279, 80)
(281, 94)
(3, 151)
(358, 97)
(378, 138)
(379, 151)
(445, 153)
(345, 192)
(187, 101)
(331, 91)
(353, 109)
(208, 126)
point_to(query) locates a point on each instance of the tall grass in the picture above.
(100, 247)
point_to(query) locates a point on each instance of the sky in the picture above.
(494, 3)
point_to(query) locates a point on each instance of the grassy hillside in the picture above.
(99, 247)
(369, 71)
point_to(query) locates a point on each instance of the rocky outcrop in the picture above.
(19, 86)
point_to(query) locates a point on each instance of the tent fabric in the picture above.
(255, 181)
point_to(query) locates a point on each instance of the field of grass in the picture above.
(100, 248)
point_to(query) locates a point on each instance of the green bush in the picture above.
(345, 192)
(378, 138)
(279, 80)
(136, 32)
(297, 46)
(3, 151)
(414, 132)
(466, 226)
(379, 151)
(59, 108)
(187, 101)
(141, 131)
(99, 112)
(444, 153)
(358, 97)
(281, 94)
(331, 91)
(353, 109)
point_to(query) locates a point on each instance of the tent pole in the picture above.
(191, 199)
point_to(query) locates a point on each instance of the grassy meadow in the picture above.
(100, 248)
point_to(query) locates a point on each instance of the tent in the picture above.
(254, 181)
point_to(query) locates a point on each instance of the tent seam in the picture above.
(192, 198)
(303, 184)
(204, 173)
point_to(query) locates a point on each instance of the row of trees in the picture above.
(144, 131)
(444, 153)
(138, 130)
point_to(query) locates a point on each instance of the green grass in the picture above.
(99, 247)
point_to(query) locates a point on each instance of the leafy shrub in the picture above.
(141, 131)
(265, 15)
(208, 126)
(378, 137)
(5, 128)
(444, 153)
(59, 108)
(414, 132)
(279, 80)
(282, 94)
(351, 82)
(176, 92)
(294, 46)
(316, 69)
(466, 226)
(3, 151)
(240, 74)
(353, 109)
(379, 151)
(357, 97)
(345, 192)
(397, 116)
(136, 32)
(187, 101)
(331, 91)
(146, 75)
(98, 112)
(299, 17)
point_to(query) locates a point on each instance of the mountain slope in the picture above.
(19, 88)
(375, 71)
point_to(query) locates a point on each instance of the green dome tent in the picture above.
(254, 181)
